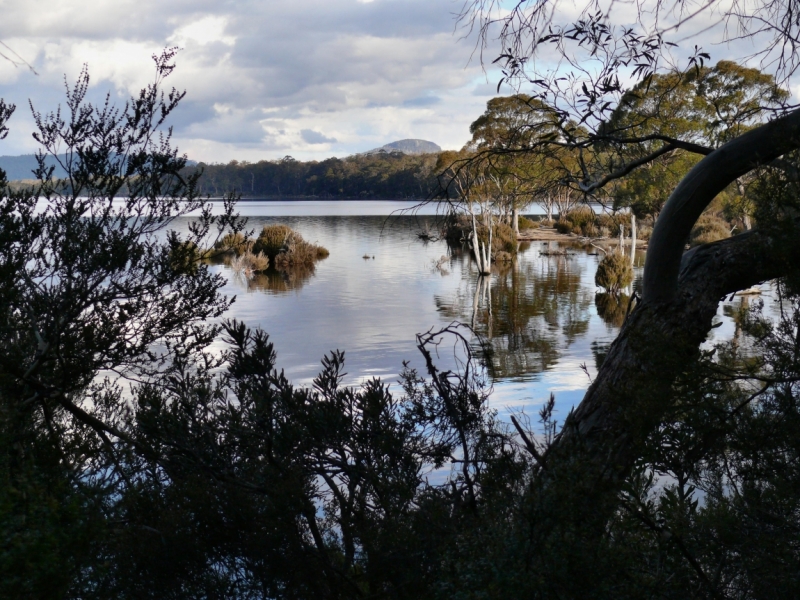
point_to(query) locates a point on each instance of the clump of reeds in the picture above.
(287, 248)
(614, 272)
(249, 263)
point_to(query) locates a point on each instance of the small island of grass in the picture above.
(277, 245)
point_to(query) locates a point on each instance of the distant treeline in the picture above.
(379, 176)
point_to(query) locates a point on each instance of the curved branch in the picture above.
(699, 187)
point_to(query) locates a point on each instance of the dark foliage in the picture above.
(379, 176)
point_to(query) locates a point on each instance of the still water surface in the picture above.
(543, 326)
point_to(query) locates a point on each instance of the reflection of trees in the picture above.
(535, 309)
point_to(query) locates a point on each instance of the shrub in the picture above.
(614, 272)
(504, 239)
(272, 239)
(526, 223)
(580, 217)
(232, 244)
(613, 222)
(563, 226)
(643, 232)
(459, 230)
(709, 228)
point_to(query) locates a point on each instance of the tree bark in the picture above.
(515, 221)
(699, 187)
(595, 452)
(589, 462)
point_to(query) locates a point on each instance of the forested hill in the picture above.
(379, 176)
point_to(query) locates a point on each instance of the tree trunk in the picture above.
(633, 239)
(515, 221)
(595, 452)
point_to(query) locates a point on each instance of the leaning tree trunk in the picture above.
(580, 478)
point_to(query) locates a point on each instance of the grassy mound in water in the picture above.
(286, 248)
(250, 263)
(614, 272)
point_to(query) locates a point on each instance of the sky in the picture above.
(264, 79)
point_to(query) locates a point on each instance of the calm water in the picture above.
(544, 328)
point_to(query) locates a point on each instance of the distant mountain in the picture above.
(21, 167)
(408, 147)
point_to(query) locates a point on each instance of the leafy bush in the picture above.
(459, 230)
(563, 226)
(526, 223)
(614, 272)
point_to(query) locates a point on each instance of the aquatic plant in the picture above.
(286, 248)
(234, 243)
(272, 238)
(249, 263)
(614, 272)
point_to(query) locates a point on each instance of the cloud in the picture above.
(261, 78)
(422, 101)
(315, 137)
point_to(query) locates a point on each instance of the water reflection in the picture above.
(527, 311)
(280, 281)
(612, 308)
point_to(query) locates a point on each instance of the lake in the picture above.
(543, 327)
